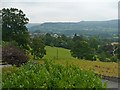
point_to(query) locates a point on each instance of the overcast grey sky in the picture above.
(39, 11)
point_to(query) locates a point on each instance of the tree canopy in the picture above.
(38, 47)
(14, 26)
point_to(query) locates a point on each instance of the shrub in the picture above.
(13, 55)
(14, 43)
(51, 75)
(9, 69)
(114, 59)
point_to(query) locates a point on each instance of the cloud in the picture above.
(59, 0)
(65, 11)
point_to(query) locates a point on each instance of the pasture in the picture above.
(63, 56)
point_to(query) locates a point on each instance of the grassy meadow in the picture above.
(63, 56)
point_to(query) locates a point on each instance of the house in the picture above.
(114, 43)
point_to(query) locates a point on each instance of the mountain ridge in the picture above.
(82, 27)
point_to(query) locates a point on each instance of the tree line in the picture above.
(92, 48)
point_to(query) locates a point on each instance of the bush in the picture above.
(51, 75)
(114, 59)
(14, 43)
(13, 55)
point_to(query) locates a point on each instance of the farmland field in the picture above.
(62, 56)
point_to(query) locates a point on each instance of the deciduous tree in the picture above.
(38, 47)
(14, 26)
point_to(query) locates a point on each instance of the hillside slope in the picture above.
(84, 27)
(64, 57)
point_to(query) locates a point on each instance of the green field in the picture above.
(63, 56)
(57, 53)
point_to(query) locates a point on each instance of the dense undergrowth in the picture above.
(50, 75)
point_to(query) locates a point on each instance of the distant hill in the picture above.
(104, 28)
(29, 25)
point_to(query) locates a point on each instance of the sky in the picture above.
(39, 11)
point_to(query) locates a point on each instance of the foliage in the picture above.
(50, 75)
(105, 53)
(38, 47)
(78, 38)
(56, 40)
(94, 42)
(82, 50)
(13, 55)
(118, 52)
(14, 26)
(48, 39)
(93, 49)
(9, 69)
(10, 43)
